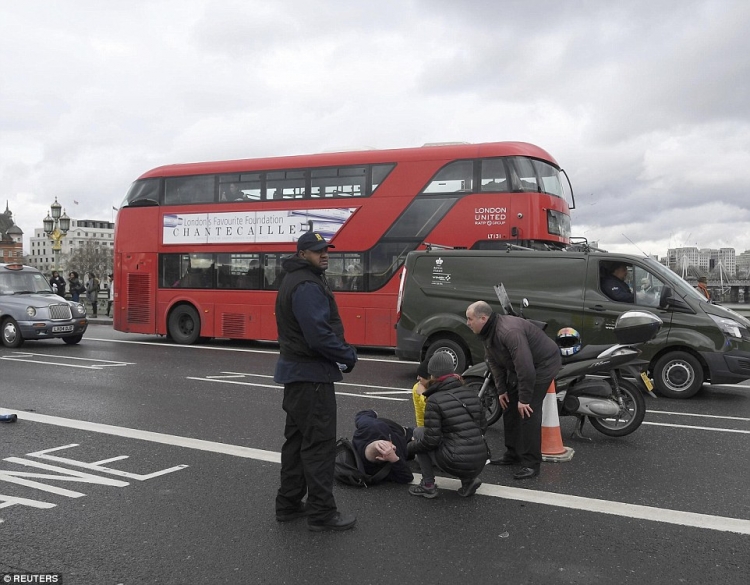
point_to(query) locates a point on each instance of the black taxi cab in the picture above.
(29, 309)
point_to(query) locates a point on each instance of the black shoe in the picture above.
(504, 460)
(469, 487)
(338, 521)
(526, 473)
(300, 512)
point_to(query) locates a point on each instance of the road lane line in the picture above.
(650, 513)
(276, 387)
(240, 349)
(655, 424)
(741, 418)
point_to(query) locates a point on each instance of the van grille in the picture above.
(60, 313)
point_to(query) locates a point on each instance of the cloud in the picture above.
(645, 104)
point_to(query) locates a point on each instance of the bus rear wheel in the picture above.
(184, 325)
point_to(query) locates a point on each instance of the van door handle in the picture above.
(597, 308)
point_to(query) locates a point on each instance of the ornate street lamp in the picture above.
(56, 226)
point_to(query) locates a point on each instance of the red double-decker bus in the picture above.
(198, 247)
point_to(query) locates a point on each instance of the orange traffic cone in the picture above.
(552, 445)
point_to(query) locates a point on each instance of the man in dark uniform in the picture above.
(523, 361)
(614, 285)
(313, 355)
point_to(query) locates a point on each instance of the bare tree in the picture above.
(92, 256)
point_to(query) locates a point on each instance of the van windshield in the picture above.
(679, 286)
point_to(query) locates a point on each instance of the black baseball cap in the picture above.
(312, 241)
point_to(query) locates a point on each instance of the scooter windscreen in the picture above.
(504, 299)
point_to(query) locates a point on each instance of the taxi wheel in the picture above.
(73, 339)
(11, 333)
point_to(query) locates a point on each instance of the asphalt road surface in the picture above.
(139, 461)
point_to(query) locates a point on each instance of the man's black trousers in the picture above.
(523, 436)
(309, 452)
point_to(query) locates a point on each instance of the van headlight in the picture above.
(31, 312)
(730, 327)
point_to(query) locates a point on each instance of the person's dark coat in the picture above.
(518, 350)
(311, 333)
(617, 289)
(370, 428)
(454, 423)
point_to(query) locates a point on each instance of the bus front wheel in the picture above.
(184, 325)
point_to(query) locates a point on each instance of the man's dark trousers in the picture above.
(309, 453)
(523, 436)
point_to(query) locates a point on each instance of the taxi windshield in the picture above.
(12, 283)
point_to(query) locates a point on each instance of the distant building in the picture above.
(705, 260)
(81, 231)
(11, 238)
(743, 264)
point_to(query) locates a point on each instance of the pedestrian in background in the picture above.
(58, 283)
(703, 287)
(76, 288)
(92, 292)
(313, 353)
(110, 292)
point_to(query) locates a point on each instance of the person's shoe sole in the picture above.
(324, 527)
(427, 495)
(471, 490)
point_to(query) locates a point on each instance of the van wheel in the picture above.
(452, 348)
(184, 325)
(678, 375)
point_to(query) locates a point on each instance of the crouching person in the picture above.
(452, 438)
(381, 442)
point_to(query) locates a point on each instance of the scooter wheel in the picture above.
(629, 419)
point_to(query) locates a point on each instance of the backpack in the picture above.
(350, 470)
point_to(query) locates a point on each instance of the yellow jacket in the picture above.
(419, 404)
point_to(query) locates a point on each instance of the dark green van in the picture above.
(699, 341)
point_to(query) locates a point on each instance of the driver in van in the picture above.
(614, 285)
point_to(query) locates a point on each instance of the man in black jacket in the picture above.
(313, 355)
(519, 351)
(614, 285)
(452, 437)
(379, 441)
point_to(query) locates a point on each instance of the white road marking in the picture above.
(22, 356)
(223, 380)
(393, 360)
(744, 419)
(650, 513)
(655, 424)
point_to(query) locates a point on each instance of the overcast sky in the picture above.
(645, 104)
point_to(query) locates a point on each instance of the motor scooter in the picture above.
(604, 384)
